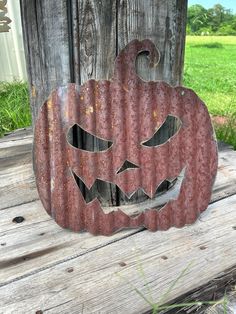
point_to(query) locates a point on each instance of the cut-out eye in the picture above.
(81, 139)
(165, 132)
(127, 165)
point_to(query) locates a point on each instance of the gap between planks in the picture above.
(20, 186)
(225, 186)
(104, 280)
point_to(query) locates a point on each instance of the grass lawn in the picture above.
(210, 70)
(14, 106)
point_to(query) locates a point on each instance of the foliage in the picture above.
(227, 132)
(217, 20)
(14, 106)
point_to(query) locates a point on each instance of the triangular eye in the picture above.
(127, 165)
(165, 132)
(81, 139)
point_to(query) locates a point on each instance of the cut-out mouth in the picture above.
(169, 189)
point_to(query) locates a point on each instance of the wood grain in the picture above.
(17, 185)
(104, 280)
(37, 250)
(213, 290)
(38, 243)
(96, 51)
(97, 39)
(45, 31)
(164, 23)
(78, 40)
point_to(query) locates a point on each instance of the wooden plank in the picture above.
(225, 182)
(17, 179)
(13, 143)
(17, 183)
(17, 144)
(32, 253)
(214, 290)
(97, 39)
(15, 155)
(45, 31)
(96, 49)
(38, 241)
(17, 186)
(78, 40)
(27, 239)
(15, 148)
(164, 23)
(17, 134)
(108, 279)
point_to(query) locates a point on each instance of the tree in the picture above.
(218, 15)
(216, 19)
(197, 17)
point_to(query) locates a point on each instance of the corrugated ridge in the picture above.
(126, 111)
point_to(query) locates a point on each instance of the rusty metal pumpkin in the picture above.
(124, 115)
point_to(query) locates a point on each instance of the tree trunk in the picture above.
(77, 40)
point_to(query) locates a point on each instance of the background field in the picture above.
(210, 70)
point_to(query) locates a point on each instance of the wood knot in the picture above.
(164, 257)
(18, 219)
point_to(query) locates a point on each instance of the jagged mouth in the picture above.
(112, 198)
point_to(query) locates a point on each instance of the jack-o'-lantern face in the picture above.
(102, 153)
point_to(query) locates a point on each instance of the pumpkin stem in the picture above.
(125, 62)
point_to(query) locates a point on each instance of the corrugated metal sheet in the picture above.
(126, 112)
(12, 59)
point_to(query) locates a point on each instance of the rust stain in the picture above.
(78, 186)
(125, 89)
(89, 110)
(33, 91)
(49, 103)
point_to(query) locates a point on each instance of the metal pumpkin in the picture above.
(99, 140)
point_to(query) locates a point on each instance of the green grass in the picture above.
(227, 133)
(161, 305)
(210, 70)
(14, 106)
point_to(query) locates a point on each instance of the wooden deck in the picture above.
(47, 269)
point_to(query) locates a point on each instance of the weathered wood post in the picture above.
(77, 40)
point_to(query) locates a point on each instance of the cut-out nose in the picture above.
(127, 165)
